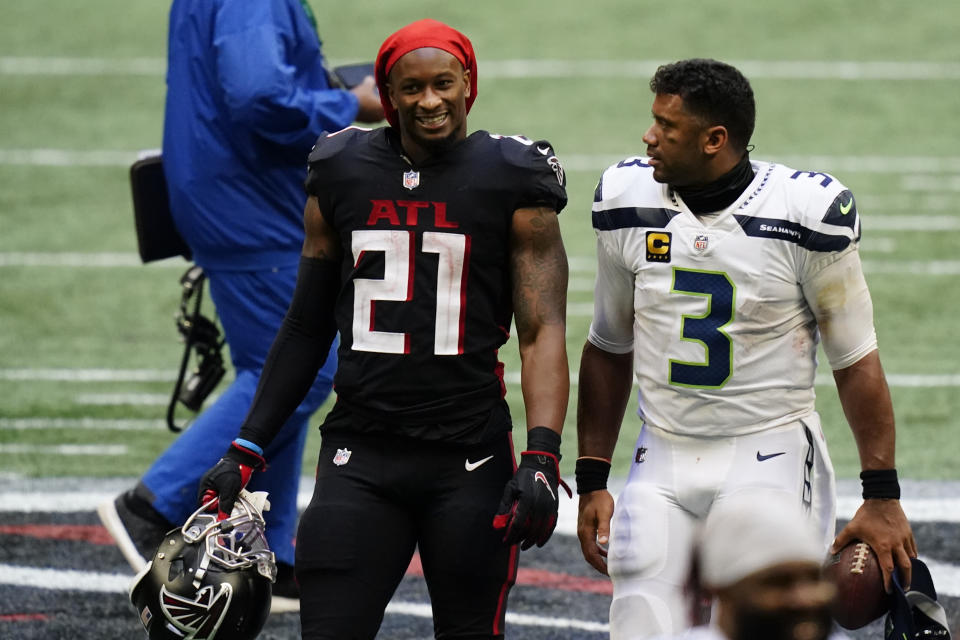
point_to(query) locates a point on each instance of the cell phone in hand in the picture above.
(350, 75)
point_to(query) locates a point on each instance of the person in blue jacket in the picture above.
(248, 94)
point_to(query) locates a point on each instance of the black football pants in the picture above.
(378, 498)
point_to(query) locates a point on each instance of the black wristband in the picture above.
(880, 483)
(591, 475)
(544, 439)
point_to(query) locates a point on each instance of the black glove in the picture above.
(228, 477)
(528, 509)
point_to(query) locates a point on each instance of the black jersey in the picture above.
(426, 296)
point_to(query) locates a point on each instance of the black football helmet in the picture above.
(209, 578)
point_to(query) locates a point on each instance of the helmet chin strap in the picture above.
(201, 570)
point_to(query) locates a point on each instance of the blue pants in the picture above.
(251, 306)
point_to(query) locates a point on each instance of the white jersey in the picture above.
(714, 633)
(721, 313)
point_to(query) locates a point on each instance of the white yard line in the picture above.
(948, 584)
(67, 158)
(542, 68)
(914, 381)
(58, 66)
(97, 424)
(913, 267)
(753, 69)
(578, 264)
(88, 375)
(128, 375)
(99, 582)
(920, 223)
(928, 183)
(948, 577)
(906, 203)
(919, 508)
(877, 244)
(912, 167)
(421, 610)
(64, 449)
(64, 579)
(114, 399)
(109, 260)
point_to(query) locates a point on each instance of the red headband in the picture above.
(418, 35)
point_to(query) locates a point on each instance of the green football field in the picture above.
(865, 90)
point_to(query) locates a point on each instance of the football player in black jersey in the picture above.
(422, 244)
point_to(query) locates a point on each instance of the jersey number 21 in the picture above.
(398, 247)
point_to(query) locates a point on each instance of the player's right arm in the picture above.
(606, 378)
(299, 350)
(604, 389)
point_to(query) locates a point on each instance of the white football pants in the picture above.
(673, 482)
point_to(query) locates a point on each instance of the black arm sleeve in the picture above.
(298, 351)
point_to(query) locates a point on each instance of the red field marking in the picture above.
(541, 578)
(96, 534)
(92, 533)
(415, 568)
(564, 581)
(23, 617)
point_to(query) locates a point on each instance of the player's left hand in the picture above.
(528, 509)
(882, 525)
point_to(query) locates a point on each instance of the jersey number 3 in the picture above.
(398, 247)
(706, 329)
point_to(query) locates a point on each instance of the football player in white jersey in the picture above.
(717, 278)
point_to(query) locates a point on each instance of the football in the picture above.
(856, 573)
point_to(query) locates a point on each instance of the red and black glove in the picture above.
(228, 477)
(528, 509)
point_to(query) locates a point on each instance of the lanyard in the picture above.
(312, 18)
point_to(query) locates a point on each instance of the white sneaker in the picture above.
(136, 536)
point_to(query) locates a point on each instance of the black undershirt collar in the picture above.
(720, 193)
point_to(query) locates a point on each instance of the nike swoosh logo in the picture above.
(539, 477)
(470, 466)
(845, 208)
(761, 458)
(543, 150)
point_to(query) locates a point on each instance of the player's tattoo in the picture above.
(539, 269)
(321, 240)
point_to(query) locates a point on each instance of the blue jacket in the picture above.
(247, 96)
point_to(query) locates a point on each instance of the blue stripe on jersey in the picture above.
(792, 232)
(629, 217)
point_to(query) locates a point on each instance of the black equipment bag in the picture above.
(157, 237)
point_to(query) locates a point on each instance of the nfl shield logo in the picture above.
(411, 180)
(700, 242)
(342, 457)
